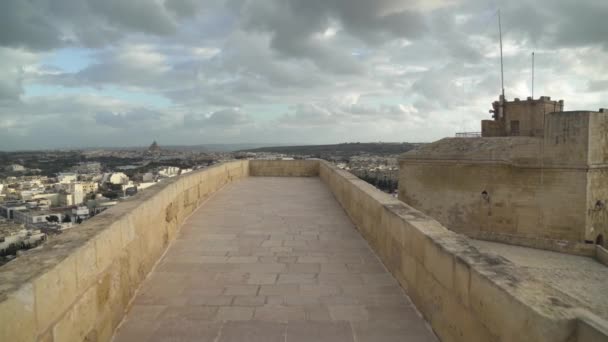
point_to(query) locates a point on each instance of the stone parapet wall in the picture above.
(77, 286)
(464, 294)
(284, 168)
(601, 254)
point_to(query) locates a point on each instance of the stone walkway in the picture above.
(271, 259)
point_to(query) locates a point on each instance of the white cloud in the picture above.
(323, 71)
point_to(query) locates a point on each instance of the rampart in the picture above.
(79, 286)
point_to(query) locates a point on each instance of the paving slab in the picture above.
(271, 259)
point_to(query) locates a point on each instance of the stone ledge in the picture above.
(78, 285)
(561, 246)
(465, 295)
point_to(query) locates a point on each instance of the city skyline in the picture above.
(89, 74)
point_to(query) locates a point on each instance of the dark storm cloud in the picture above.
(43, 25)
(25, 24)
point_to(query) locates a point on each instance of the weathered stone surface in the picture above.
(322, 282)
(47, 292)
(288, 241)
(17, 316)
(464, 294)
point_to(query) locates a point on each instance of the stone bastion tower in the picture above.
(537, 177)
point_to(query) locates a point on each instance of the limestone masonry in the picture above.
(537, 177)
(80, 286)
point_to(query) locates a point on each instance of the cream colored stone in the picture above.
(440, 281)
(17, 316)
(86, 266)
(108, 243)
(80, 320)
(513, 320)
(440, 263)
(462, 282)
(55, 291)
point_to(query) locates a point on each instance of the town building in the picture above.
(88, 167)
(67, 177)
(30, 218)
(154, 148)
(148, 177)
(7, 209)
(169, 171)
(538, 174)
(14, 237)
(115, 178)
(15, 168)
(80, 213)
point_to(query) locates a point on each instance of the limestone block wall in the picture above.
(284, 168)
(596, 227)
(465, 295)
(499, 199)
(77, 286)
(566, 141)
(598, 140)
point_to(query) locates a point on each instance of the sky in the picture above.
(89, 73)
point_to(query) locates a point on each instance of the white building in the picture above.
(145, 185)
(53, 197)
(169, 171)
(81, 212)
(15, 168)
(26, 236)
(148, 177)
(115, 178)
(67, 177)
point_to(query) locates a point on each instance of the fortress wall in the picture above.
(465, 295)
(597, 205)
(77, 286)
(598, 140)
(566, 141)
(498, 199)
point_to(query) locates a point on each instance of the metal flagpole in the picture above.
(532, 75)
(502, 73)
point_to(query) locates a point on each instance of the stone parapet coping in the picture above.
(77, 286)
(466, 295)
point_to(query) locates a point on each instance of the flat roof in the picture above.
(506, 149)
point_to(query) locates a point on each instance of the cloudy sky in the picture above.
(85, 73)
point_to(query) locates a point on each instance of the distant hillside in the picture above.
(213, 147)
(343, 150)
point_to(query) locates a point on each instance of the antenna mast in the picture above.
(502, 72)
(532, 75)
